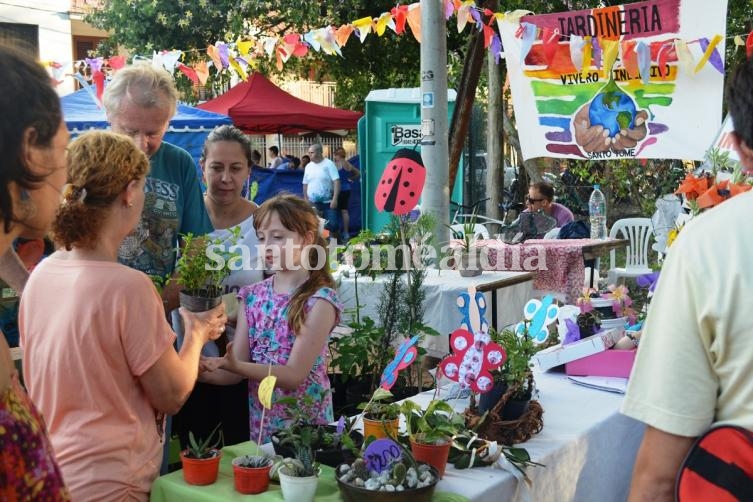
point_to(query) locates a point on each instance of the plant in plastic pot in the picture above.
(380, 417)
(251, 473)
(430, 431)
(201, 460)
(514, 373)
(201, 268)
(299, 476)
(468, 254)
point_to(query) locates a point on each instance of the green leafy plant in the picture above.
(203, 448)
(321, 436)
(377, 408)
(468, 450)
(204, 263)
(517, 366)
(437, 424)
(302, 445)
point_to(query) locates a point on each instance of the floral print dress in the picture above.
(271, 342)
(28, 471)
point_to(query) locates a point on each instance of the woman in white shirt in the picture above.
(226, 163)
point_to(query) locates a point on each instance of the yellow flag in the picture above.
(266, 386)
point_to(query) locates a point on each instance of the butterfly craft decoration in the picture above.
(401, 183)
(405, 355)
(474, 355)
(539, 315)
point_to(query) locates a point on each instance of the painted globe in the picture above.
(612, 109)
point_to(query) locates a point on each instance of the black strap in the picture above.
(728, 476)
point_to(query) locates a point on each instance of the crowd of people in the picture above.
(100, 360)
(116, 205)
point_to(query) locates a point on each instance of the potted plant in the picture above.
(380, 418)
(332, 444)
(201, 460)
(201, 268)
(299, 475)
(514, 375)
(404, 480)
(430, 431)
(251, 473)
(469, 262)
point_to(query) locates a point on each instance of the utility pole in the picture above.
(434, 131)
(494, 142)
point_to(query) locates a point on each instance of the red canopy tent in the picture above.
(257, 106)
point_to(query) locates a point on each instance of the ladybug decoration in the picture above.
(474, 355)
(401, 184)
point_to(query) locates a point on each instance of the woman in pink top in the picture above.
(100, 363)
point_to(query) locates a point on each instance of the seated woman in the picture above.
(541, 198)
(100, 362)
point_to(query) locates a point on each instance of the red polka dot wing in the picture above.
(474, 354)
(401, 184)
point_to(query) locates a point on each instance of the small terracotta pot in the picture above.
(380, 428)
(251, 480)
(200, 471)
(432, 454)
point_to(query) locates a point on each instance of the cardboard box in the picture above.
(561, 354)
(611, 363)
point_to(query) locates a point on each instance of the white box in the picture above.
(561, 354)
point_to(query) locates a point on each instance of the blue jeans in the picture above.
(328, 214)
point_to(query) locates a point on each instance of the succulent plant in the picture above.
(253, 461)
(398, 473)
(359, 468)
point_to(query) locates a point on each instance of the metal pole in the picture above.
(434, 142)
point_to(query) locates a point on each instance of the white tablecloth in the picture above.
(588, 449)
(441, 312)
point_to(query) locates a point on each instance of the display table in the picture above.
(172, 487)
(506, 294)
(558, 263)
(587, 447)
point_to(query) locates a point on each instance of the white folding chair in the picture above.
(638, 231)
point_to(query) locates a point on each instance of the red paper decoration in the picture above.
(402, 182)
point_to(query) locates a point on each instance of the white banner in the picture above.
(642, 80)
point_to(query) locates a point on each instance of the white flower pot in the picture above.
(296, 489)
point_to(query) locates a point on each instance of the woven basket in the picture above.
(507, 432)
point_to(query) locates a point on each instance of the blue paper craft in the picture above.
(540, 314)
(405, 356)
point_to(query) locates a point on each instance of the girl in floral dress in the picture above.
(288, 318)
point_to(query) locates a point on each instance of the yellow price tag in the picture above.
(266, 386)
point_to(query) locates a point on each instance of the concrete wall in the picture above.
(51, 16)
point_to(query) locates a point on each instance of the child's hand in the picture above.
(229, 362)
(209, 364)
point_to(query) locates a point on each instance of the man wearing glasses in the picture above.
(321, 186)
(541, 198)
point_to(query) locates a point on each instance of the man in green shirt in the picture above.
(139, 102)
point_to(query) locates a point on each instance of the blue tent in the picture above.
(274, 181)
(188, 128)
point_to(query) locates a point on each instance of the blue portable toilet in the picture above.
(392, 121)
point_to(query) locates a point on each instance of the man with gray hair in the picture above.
(139, 102)
(321, 186)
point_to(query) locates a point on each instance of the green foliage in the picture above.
(467, 447)
(435, 425)
(159, 281)
(254, 461)
(378, 408)
(203, 448)
(517, 366)
(198, 272)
